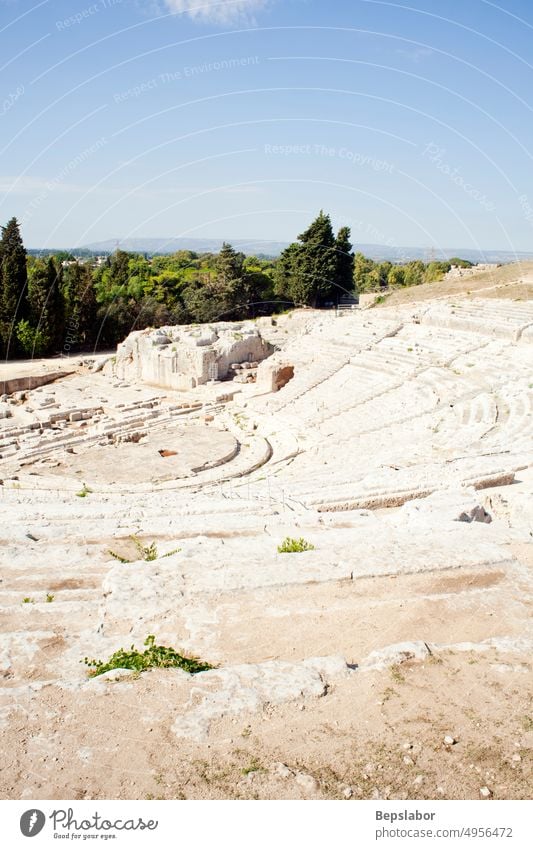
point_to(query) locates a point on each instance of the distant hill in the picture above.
(405, 254)
(171, 245)
(272, 249)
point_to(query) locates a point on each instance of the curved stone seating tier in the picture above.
(131, 509)
(319, 356)
(503, 319)
(391, 486)
(238, 461)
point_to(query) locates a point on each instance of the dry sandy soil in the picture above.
(391, 660)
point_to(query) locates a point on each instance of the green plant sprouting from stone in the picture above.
(291, 546)
(48, 599)
(160, 657)
(146, 552)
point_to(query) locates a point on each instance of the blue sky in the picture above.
(410, 122)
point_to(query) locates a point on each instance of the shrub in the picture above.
(461, 263)
(162, 657)
(290, 545)
(32, 341)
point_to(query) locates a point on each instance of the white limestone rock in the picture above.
(236, 689)
(444, 506)
(186, 356)
(396, 654)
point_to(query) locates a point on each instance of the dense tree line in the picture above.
(371, 276)
(57, 304)
(182, 288)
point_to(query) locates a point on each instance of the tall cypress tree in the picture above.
(286, 276)
(79, 296)
(14, 304)
(319, 266)
(229, 266)
(345, 262)
(229, 289)
(46, 303)
(307, 271)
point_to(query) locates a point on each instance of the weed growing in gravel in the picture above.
(254, 766)
(290, 545)
(396, 673)
(388, 693)
(84, 491)
(241, 420)
(27, 600)
(153, 657)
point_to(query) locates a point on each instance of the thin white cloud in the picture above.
(41, 186)
(416, 54)
(217, 11)
(197, 190)
(31, 185)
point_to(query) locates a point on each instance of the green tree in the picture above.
(240, 286)
(229, 266)
(436, 271)
(362, 271)
(396, 276)
(115, 320)
(461, 263)
(46, 303)
(285, 270)
(139, 280)
(80, 325)
(414, 272)
(63, 256)
(14, 305)
(344, 279)
(383, 272)
(174, 262)
(120, 268)
(31, 340)
(252, 293)
(205, 302)
(307, 272)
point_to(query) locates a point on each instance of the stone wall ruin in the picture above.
(184, 357)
